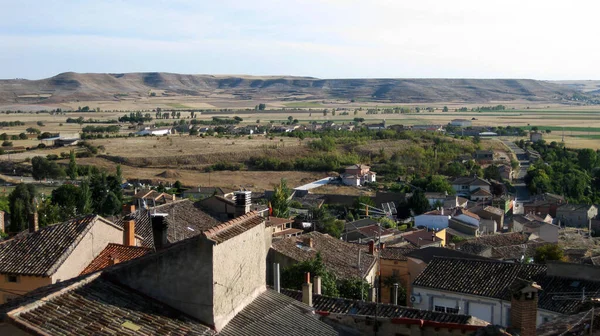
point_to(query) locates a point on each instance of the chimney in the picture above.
(129, 233)
(432, 235)
(127, 209)
(395, 294)
(307, 290)
(33, 222)
(317, 285)
(372, 247)
(159, 230)
(243, 201)
(523, 306)
(442, 211)
(309, 242)
(2, 228)
(174, 198)
(276, 278)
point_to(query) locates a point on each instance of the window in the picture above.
(395, 273)
(508, 316)
(439, 309)
(12, 278)
(451, 310)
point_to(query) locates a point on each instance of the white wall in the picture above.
(432, 221)
(480, 307)
(467, 219)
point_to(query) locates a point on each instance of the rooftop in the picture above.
(114, 252)
(333, 305)
(42, 252)
(276, 221)
(421, 238)
(466, 213)
(372, 231)
(339, 257)
(234, 227)
(428, 253)
(574, 207)
(470, 181)
(396, 253)
(481, 192)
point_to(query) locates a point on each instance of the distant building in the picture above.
(576, 215)
(154, 131)
(428, 128)
(535, 136)
(461, 122)
(358, 174)
(465, 186)
(484, 155)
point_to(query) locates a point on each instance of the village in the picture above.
(491, 249)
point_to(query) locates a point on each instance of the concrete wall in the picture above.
(547, 233)
(477, 306)
(88, 248)
(180, 276)
(23, 285)
(239, 273)
(414, 267)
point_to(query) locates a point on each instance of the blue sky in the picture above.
(320, 38)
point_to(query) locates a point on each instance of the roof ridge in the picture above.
(231, 223)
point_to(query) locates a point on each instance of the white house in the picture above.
(358, 174)
(351, 180)
(155, 131)
(481, 288)
(436, 219)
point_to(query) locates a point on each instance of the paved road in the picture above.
(521, 189)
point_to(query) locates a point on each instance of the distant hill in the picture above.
(71, 86)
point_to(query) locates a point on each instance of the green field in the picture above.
(587, 136)
(560, 128)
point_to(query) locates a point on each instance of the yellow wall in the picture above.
(23, 285)
(441, 234)
(387, 269)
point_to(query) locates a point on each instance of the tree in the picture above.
(293, 277)
(43, 169)
(84, 202)
(418, 203)
(280, 202)
(107, 195)
(261, 107)
(587, 158)
(72, 168)
(32, 130)
(445, 109)
(360, 205)
(434, 183)
(548, 252)
(21, 203)
(354, 288)
(290, 119)
(66, 197)
(491, 172)
(49, 213)
(389, 283)
(23, 136)
(119, 174)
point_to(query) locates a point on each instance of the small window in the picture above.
(451, 310)
(12, 278)
(439, 309)
(395, 273)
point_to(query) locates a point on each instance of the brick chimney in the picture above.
(309, 242)
(159, 230)
(372, 247)
(129, 233)
(2, 215)
(33, 222)
(523, 306)
(307, 290)
(127, 209)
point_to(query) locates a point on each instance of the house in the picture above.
(490, 212)
(486, 246)
(576, 215)
(340, 258)
(428, 128)
(544, 204)
(150, 198)
(464, 186)
(481, 195)
(206, 192)
(185, 219)
(543, 228)
(436, 199)
(154, 131)
(535, 136)
(485, 290)
(505, 172)
(466, 222)
(161, 293)
(353, 317)
(461, 123)
(357, 175)
(231, 205)
(418, 259)
(41, 257)
(435, 219)
(455, 202)
(370, 233)
(425, 238)
(281, 227)
(484, 155)
(393, 269)
(376, 127)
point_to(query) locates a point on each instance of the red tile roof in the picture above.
(112, 252)
(276, 221)
(421, 238)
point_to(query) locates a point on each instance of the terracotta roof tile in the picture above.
(339, 257)
(112, 252)
(396, 253)
(42, 252)
(234, 227)
(276, 221)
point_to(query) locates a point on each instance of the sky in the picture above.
(539, 39)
